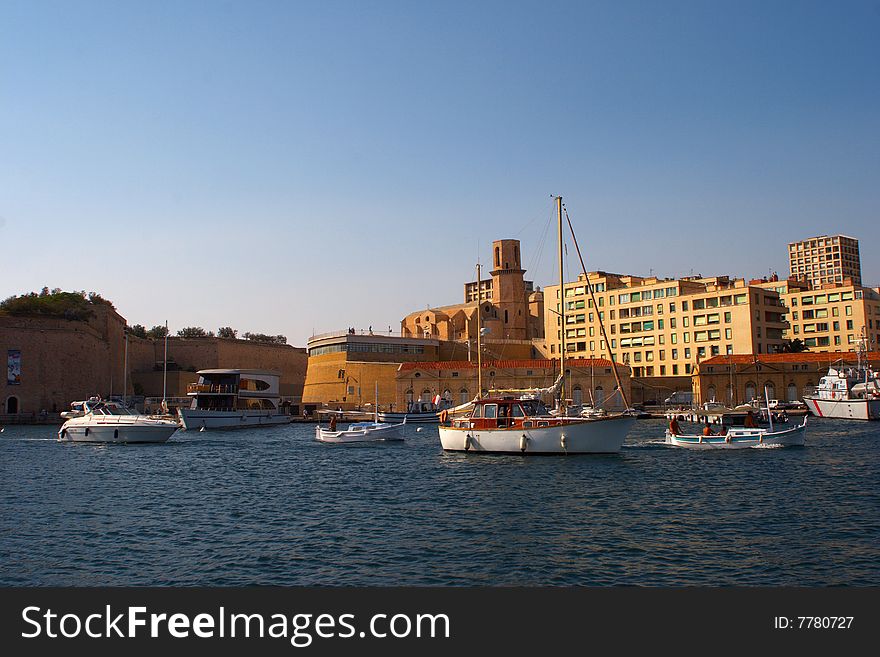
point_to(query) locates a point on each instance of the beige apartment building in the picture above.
(831, 317)
(663, 327)
(826, 259)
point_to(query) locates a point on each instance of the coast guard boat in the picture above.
(851, 393)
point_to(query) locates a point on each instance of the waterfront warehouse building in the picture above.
(740, 378)
(588, 382)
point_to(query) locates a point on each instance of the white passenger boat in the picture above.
(741, 437)
(851, 393)
(525, 426)
(234, 399)
(108, 422)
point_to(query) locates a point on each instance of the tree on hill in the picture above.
(226, 332)
(261, 337)
(195, 332)
(157, 332)
(54, 303)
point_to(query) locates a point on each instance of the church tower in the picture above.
(509, 290)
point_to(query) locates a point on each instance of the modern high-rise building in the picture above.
(826, 259)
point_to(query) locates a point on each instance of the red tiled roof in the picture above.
(802, 357)
(506, 364)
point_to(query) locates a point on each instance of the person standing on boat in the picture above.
(707, 430)
(749, 422)
(333, 422)
(674, 429)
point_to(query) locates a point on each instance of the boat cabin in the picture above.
(235, 390)
(508, 413)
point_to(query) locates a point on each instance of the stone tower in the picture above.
(508, 290)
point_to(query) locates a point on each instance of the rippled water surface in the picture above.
(272, 506)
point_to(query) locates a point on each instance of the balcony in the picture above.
(211, 389)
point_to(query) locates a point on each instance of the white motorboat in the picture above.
(525, 426)
(234, 399)
(108, 422)
(741, 437)
(851, 393)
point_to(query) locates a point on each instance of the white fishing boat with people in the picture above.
(741, 437)
(738, 437)
(234, 399)
(522, 424)
(361, 432)
(110, 422)
(851, 393)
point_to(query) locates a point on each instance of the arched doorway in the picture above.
(599, 396)
(771, 390)
(426, 395)
(791, 392)
(577, 396)
(710, 393)
(12, 405)
(463, 396)
(750, 391)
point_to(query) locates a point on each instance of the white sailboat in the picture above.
(509, 425)
(362, 432)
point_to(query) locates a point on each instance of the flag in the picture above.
(436, 400)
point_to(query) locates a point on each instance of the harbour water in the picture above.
(273, 507)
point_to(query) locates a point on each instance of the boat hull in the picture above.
(106, 433)
(361, 434)
(599, 436)
(411, 418)
(742, 439)
(847, 409)
(194, 419)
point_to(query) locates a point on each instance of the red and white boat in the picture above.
(525, 426)
(850, 393)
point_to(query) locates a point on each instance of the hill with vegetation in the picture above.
(75, 306)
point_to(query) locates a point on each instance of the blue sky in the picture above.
(290, 167)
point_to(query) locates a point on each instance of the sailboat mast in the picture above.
(561, 299)
(479, 331)
(165, 372)
(125, 372)
(599, 315)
